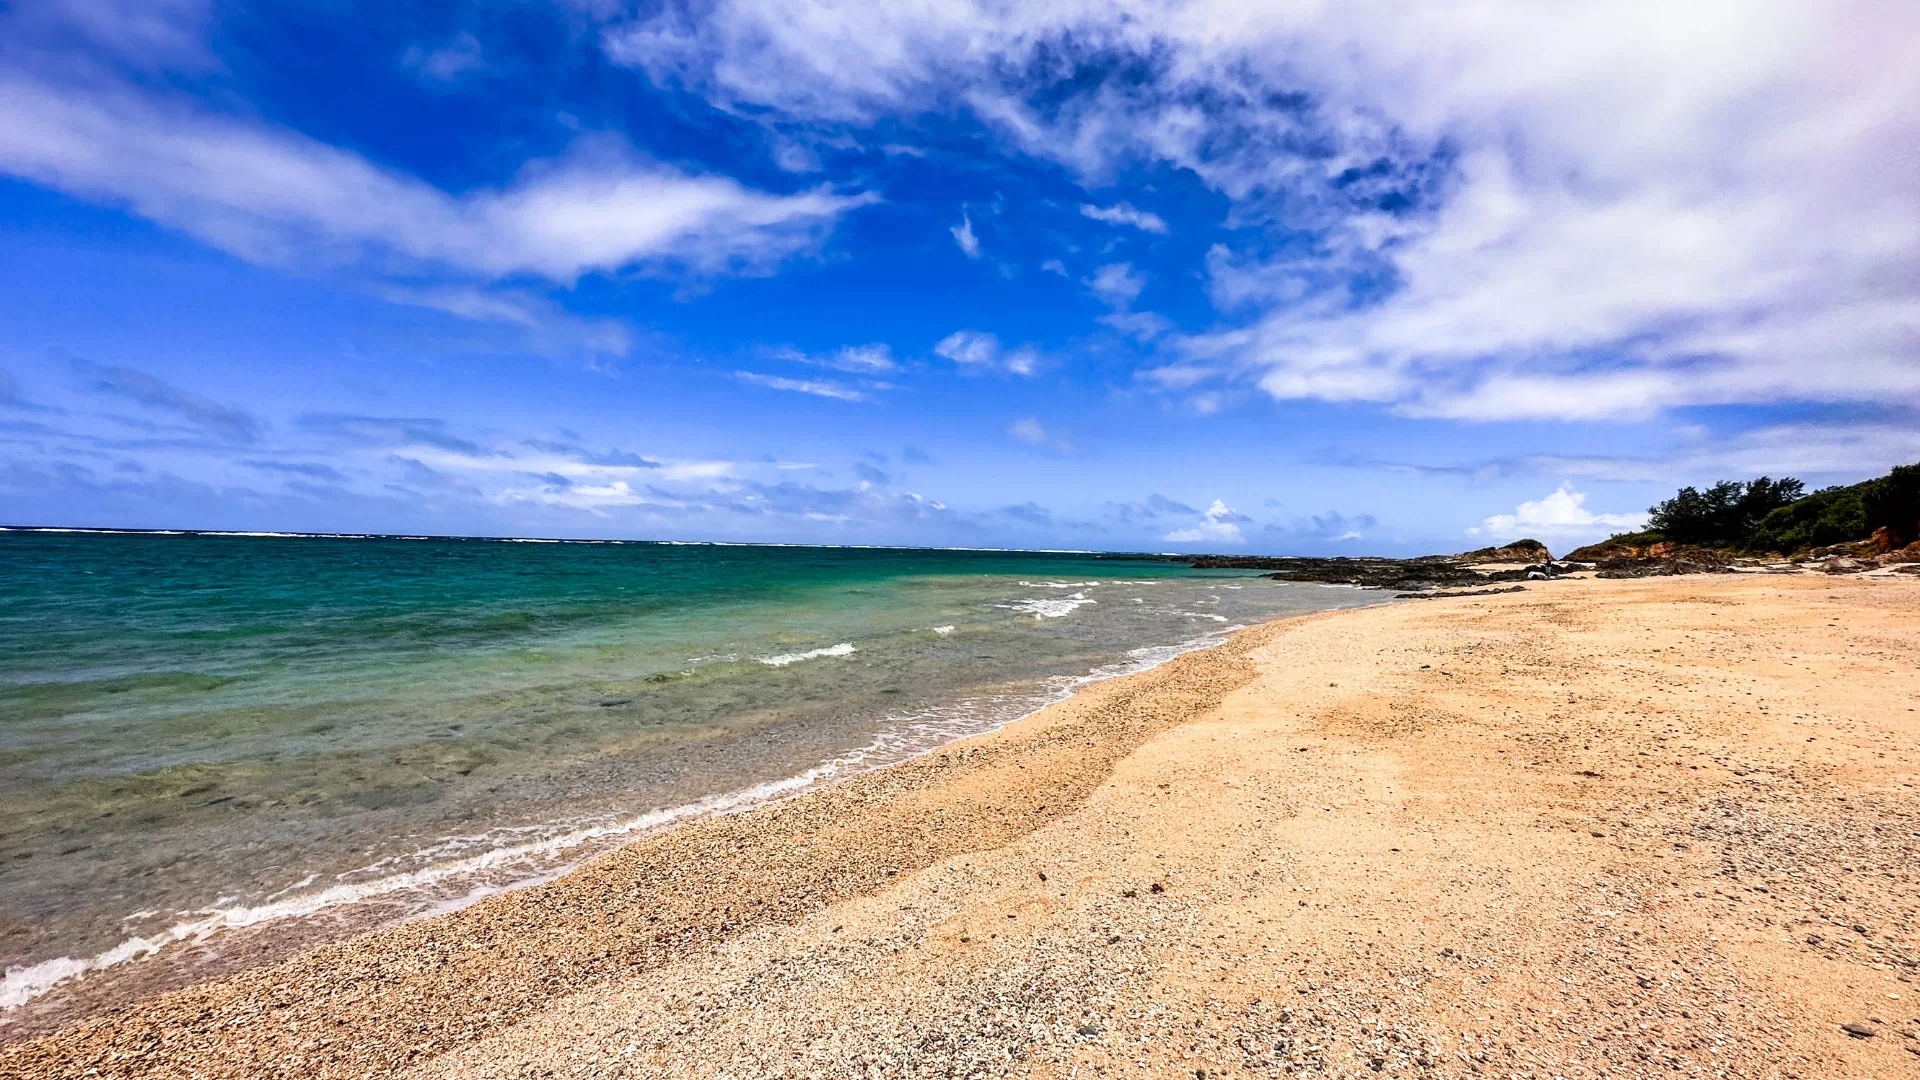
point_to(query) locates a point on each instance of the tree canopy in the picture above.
(1776, 515)
(1726, 514)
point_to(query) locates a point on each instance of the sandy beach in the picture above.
(1596, 828)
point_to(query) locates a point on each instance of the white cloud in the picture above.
(550, 329)
(974, 350)
(816, 387)
(1588, 210)
(274, 196)
(1145, 325)
(1117, 285)
(963, 235)
(1125, 214)
(795, 156)
(872, 359)
(1840, 452)
(1054, 266)
(1177, 376)
(1561, 514)
(448, 62)
(969, 348)
(1031, 431)
(148, 34)
(1219, 524)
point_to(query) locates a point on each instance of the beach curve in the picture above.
(1488, 816)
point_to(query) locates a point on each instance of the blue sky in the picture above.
(1170, 276)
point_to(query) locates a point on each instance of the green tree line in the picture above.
(1778, 515)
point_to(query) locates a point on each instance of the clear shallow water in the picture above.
(204, 734)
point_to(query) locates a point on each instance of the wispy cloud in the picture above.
(611, 458)
(274, 196)
(874, 359)
(1031, 431)
(816, 387)
(447, 62)
(1331, 525)
(10, 395)
(390, 432)
(1125, 214)
(1154, 506)
(1118, 285)
(1837, 448)
(312, 469)
(963, 236)
(13, 397)
(976, 351)
(228, 422)
(550, 329)
(1030, 513)
(148, 36)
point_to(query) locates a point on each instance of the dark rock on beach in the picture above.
(1423, 573)
(1372, 573)
(1543, 571)
(1444, 594)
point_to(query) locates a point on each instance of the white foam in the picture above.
(711, 658)
(1059, 584)
(908, 736)
(1048, 607)
(943, 631)
(845, 648)
(23, 984)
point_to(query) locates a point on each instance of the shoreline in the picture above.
(104, 974)
(1082, 865)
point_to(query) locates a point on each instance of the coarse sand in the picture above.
(1665, 827)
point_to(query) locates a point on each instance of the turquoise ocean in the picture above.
(208, 742)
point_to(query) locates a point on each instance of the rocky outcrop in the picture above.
(1423, 573)
(1520, 551)
(1371, 573)
(1642, 556)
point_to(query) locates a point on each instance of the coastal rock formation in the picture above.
(1621, 557)
(1527, 551)
(1368, 573)
(1426, 572)
(1638, 556)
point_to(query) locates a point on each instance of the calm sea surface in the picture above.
(201, 735)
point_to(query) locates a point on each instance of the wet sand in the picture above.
(1618, 828)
